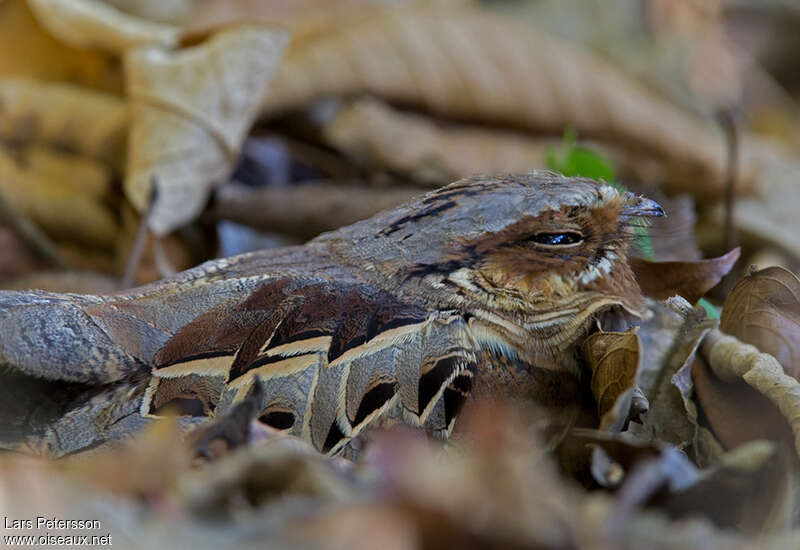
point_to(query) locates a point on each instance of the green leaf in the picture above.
(575, 161)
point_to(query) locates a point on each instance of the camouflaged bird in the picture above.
(483, 286)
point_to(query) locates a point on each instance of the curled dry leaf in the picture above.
(763, 310)
(92, 124)
(731, 359)
(191, 110)
(690, 280)
(60, 205)
(476, 65)
(95, 24)
(736, 412)
(613, 358)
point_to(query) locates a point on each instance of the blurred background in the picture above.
(211, 128)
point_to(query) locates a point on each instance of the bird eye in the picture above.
(557, 239)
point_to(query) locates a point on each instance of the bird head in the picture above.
(530, 258)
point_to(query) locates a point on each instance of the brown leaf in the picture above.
(613, 358)
(690, 280)
(732, 359)
(736, 412)
(191, 110)
(669, 341)
(763, 310)
(749, 489)
(479, 66)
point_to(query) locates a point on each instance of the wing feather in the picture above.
(332, 359)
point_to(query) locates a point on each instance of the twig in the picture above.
(728, 124)
(141, 239)
(31, 236)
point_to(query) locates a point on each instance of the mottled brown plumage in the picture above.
(483, 286)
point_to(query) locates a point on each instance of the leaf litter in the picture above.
(694, 444)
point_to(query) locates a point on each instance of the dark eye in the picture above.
(557, 239)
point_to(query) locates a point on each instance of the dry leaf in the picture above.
(475, 65)
(749, 489)
(763, 310)
(376, 135)
(59, 206)
(613, 358)
(669, 342)
(46, 58)
(89, 123)
(732, 359)
(89, 24)
(736, 412)
(191, 110)
(691, 280)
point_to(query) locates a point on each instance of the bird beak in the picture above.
(638, 206)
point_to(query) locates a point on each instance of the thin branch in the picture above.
(728, 124)
(142, 234)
